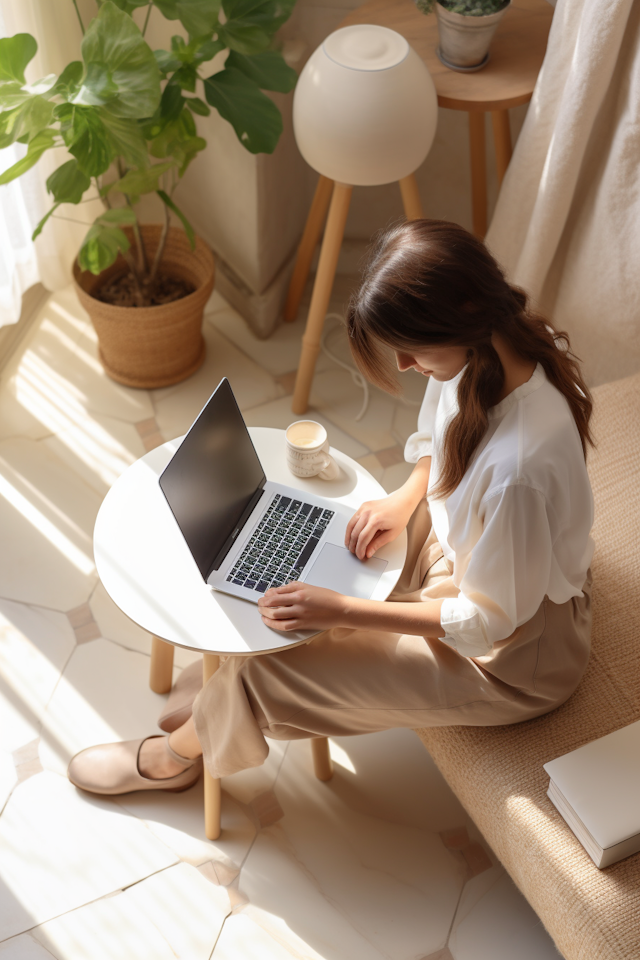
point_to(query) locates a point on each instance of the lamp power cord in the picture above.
(356, 376)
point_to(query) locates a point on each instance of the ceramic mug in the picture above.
(308, 451)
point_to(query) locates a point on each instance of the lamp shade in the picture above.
(365, 107)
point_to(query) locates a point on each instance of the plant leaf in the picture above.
(101, 247)
(12, 94)
(68, 82)
(128, 6)
(170, 107)
(98, 86)
(126, 138)
(15, 54)
(267, 14)
(41, 142)
(86, 137)
(245, 37)
(179, 140)
(198, 106)
(208, 50)
(68, 183)
(188, 229)
(186, 77)
(171, 102)
(253, 116)
(166, 61)
(267, 69)
(114, 42)
(136, 182)
(25, 121)
(38, 229)
(198, 17)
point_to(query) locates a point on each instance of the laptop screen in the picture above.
(212, 477)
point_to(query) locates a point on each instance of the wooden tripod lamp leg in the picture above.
(411, 198)
(478, 173)
(322, 287)
(322, 765)
(502, 140)
(212, 799)
(308, 244)
(161, 670)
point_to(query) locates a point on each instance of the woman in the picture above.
(490, 620)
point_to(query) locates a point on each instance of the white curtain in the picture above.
(24, 202)
(567, 223)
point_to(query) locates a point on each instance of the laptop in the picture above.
(246, 533)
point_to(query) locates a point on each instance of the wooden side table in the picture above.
(517, 52)
(516, 55)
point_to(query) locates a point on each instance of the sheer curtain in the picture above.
(567, 222)
(24, 202)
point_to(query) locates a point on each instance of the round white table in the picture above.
(148, 571)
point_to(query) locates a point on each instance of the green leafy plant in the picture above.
(127, 114)
(468, 8)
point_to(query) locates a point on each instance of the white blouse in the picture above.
(517, 526)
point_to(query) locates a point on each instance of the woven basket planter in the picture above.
(151, 347)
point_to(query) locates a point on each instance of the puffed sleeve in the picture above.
(420, 443)
(507, 575)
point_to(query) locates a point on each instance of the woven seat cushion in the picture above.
(497, 771)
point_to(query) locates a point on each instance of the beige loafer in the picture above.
(112, 768)
(179, 706)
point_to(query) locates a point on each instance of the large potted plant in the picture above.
(127, 117)
(465, 28)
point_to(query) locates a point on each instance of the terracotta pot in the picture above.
(152, 347)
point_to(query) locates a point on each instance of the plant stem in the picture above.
(144, 29)
(143, 266)
(126, 256)
(163, 241)
(58, 216)
(79, 17)
(142, 253)
(105, 199)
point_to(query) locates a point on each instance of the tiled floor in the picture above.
(381, 863)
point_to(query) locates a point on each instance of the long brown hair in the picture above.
(432, 283)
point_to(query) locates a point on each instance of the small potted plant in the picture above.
(466, 28)
(125, 116)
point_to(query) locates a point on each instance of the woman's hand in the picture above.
(299, 606)
(378, 522)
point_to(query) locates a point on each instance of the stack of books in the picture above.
(597, 790)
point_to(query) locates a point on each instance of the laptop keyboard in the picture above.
(281, 545)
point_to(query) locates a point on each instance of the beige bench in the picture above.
(497, 771)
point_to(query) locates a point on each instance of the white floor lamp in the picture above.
(364, 113)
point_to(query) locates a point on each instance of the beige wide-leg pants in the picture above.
(348, 681)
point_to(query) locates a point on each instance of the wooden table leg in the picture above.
(322, 287)
(478, 173)
(161, 670)
(502, 140)
(322, 765)
(212, 799)
(411, 198)
(308, 244)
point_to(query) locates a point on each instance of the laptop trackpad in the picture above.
(338, 569)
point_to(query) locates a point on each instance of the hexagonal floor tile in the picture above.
(62, 849)
(47, 514)
(174, 915)
(178, 406)
(35, 645)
